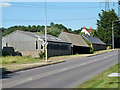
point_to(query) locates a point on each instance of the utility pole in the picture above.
(106, 5)
(45, 32)
(113, 44)
(119, 9)
(106, 2)
(112, 35)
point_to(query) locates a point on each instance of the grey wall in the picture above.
(21, 42)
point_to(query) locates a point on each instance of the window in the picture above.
(36, 45)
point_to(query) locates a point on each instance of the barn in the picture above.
(97, 44)
(78, 45)
(30, 44)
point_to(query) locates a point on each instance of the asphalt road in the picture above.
(63, 75)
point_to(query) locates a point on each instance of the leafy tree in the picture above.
(104, 27)
(54, 31)
(77, 31)
(82, 33)
(51, 24)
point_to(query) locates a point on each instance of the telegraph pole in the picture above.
(106, 5)
(112, 35)
(113, 44)
(45, 32)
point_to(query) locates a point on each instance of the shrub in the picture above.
(91, 50)
(42, 55)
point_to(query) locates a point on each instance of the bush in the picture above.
(91, 50)
(42, 55)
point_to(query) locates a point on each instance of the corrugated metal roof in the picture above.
(42, 36)
(93, 40)
(76, 39)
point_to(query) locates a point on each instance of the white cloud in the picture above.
(5, 5)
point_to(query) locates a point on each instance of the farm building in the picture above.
(78, 44)
(29, 43)
(97, 44)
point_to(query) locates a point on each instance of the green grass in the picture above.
(102, 80)
(18, 60)
(13, 63)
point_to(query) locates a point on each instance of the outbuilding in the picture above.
(78, 45)
(96, 43)
(29, 43)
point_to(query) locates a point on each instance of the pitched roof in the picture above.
(93, 40)
(76, 39)
(89, 30)
(42, 36)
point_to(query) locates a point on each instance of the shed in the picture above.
(97, 44)
(78, 44)
(29, 43)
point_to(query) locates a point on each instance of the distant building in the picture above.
(87, 31)
(97, 44)
(78, 43)
(29, 43)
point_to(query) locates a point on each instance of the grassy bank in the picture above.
(102, 80)
(18, 63)
(12, 63)
(8, 60)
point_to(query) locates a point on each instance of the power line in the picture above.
(18, 20)
(50, 6)
(54, 7)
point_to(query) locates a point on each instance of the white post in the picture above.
(113, 34)
(45, 33)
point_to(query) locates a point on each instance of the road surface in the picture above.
(69, 74)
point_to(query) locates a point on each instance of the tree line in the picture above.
(53, 29)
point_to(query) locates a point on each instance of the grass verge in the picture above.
(11, 63)
(102, 80)
(10, 60)
(18, 63)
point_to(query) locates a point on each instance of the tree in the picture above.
(77, 31)
(51, 24)
(104, 27)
